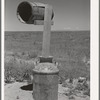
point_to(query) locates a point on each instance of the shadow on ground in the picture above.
(28, 87)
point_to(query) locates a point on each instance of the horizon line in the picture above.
(42, 31)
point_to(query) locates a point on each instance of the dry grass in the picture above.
(18, 69)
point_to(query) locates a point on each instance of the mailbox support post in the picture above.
(47, 31)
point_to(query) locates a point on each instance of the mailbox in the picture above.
(28, 12)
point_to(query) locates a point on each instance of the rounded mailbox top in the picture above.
(47, 68)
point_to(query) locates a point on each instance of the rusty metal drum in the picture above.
(28, 12)
(45, 82)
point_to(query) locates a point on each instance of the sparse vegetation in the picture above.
(17, 69)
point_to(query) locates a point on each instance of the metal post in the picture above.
(47, 31)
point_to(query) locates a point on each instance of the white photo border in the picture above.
(94, 49)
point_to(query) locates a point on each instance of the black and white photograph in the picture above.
(47, 50)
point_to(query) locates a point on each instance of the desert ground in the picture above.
(71, 49)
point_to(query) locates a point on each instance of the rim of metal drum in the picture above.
(31, 5)
(45, 73)
(18, 16)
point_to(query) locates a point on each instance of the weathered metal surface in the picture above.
(28, 12)
(45, 59)
(41, 22)
(45, 82)
(47, 31)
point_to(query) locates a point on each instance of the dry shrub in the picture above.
(17, 71)
(32, 54)
(87, 92)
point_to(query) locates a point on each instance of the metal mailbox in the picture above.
(28, 12)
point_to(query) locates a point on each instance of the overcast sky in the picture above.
(68, 15)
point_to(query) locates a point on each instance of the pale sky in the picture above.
(68, 15)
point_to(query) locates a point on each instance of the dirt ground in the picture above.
(14, 91)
